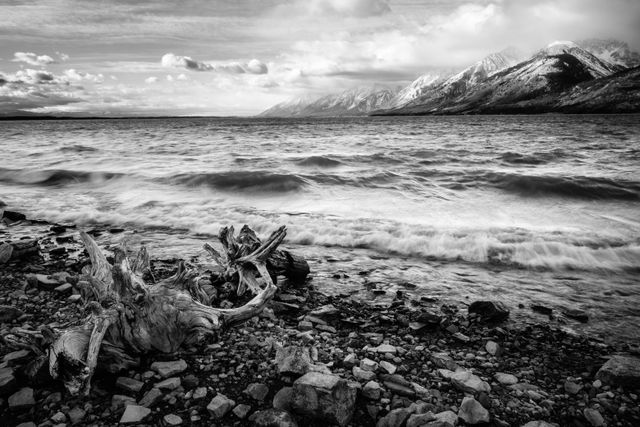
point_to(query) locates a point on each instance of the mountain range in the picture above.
(588, 76)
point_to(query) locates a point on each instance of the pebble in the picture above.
(505, 379)
(172, 420)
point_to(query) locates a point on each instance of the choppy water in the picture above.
(541, 209)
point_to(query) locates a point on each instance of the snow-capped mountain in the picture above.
(353, 102)
(612, 51)
(516, 88)
(416, 89)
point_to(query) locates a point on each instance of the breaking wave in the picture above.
(54, 177)
(248, 181)
(319, 161)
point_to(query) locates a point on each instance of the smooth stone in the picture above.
(169, 369)
(400, 389)
(493, 348)
(283, 398)
(594, 417)
(172, 420)
(472, 412)
(134, 414)
(385, 348)
(505, 379)
(469, 383)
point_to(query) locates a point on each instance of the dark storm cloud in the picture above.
(254, 66)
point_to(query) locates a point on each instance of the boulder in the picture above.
(169, 369)
(220, 405)
(395, 418)
(257, 391)
(293, 360)
(22, 399)
(283, 398)
(469, 383)
(621, 371)
(472, 412)
(272, 418)
(325, 397)
(489, 311)
(134, 414)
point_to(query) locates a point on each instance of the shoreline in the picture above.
(427, 344)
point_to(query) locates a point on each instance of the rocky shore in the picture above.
(309, 359)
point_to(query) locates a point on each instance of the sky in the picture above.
(239, 57)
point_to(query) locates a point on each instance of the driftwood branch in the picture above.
(130, 317)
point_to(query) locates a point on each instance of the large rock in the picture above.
(469, 383)
(621, 371)
(323, 396)
(6, 250)
(293, 360)
(489, 311)
(472, 412)
(395, 418)
(272, 418)
(220, 405)
(134, 414)
(9, 313)
(169, 369)
(22, 399)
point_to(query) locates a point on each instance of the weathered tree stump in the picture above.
(129, 317)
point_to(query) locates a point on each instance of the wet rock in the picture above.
(76, 415)
(323, 396)
(493, 348)
(169, 384)
(472, 412)
(594, 417)
(283, 398)
(446, 418)
(389, 367)
(169, 369)
(469, 383)
(505, 379)
(420, 420)
(9, 314)
(241, 411)
(395, 418)
(621, 371)
(150, 398)
(272, 418)
(443, 360)
(363, 375)
(372, 390)
(172, 420)
(257, 391)
(134, 414)
(572, 387)
(129, 384)
(120, 401)
(6, 250)
(22, 399)
(13, 216)
(293, 360)
(220, 405)
(489, 311)
(368, 365)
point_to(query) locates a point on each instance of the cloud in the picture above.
(32, 59)
(254, 66)
(62, 56)
(78, 76)
(32, 76)
(356, 8)
(151, 80)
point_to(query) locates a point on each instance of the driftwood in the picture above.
(130, 317)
